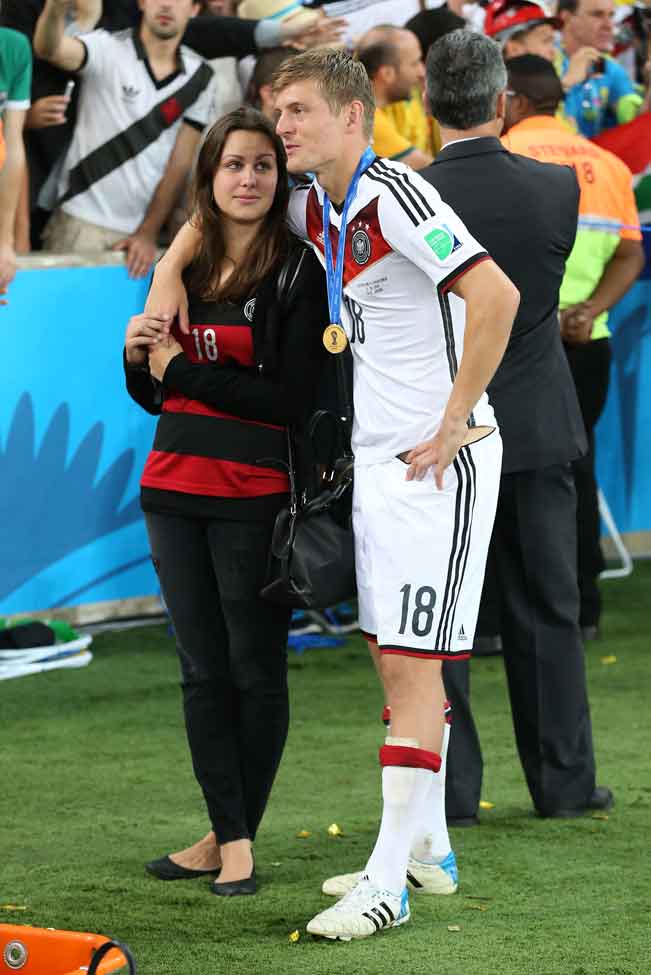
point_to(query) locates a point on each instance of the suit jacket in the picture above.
(525, 215)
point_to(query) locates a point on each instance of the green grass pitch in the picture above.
(95, 779)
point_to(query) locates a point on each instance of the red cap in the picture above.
(507, 17)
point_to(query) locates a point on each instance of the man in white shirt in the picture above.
(427, 315)
(144, 103)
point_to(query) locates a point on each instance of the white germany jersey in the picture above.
(405, 248)
(118, 91)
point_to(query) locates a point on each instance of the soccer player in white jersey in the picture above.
(428, 316)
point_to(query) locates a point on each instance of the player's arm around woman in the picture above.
(243, 367)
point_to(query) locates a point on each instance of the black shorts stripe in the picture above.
(373, 919)
(372, 174)
(409, 188)
(221, 439)
(466, 458)
(463, 546)
(438, 645)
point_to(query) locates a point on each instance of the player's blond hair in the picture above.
(339, 77)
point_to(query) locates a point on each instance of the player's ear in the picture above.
(354, 115)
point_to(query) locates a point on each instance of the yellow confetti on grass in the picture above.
(476, 907)
(303, 834)
(484, 804)
(454, 927)
(599, 815)
(294, 937)
(610, 659)
(335, 830)
(13, 907)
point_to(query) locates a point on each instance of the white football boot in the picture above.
(422, 878)
(362, 911)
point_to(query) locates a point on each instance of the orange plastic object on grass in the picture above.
(45, 951)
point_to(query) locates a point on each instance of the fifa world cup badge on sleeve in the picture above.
(334, 339)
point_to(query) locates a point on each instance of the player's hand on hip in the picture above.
(160, 356)
(167, 295)
(438, 453)
(144, 332)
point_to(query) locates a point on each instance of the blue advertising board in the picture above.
(73, 444)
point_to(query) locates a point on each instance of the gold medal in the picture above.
(334, 339)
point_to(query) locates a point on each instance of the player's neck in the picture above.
(335, 177)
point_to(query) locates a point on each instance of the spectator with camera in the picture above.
(598, 91)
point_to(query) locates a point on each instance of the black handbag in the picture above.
(312, 557)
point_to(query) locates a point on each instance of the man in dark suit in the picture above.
(525, 215)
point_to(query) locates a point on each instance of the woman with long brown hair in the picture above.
(226, 389)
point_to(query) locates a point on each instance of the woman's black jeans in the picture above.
(233, 651)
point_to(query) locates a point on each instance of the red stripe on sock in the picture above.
(386, 714)
(406, 757)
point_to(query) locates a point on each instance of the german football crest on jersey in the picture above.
(361, 247)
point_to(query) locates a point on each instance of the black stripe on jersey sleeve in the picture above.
(408, 188)
(446, 283)
(372, 174)
(220, 439)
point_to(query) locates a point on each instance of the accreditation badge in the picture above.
(334, 339)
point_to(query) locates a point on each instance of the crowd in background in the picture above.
(55, 108)
(99, 135)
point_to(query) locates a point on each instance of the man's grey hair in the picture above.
(465, 74)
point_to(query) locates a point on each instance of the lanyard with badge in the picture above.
(334, 336)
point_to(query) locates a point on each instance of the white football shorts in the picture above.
(421, 553)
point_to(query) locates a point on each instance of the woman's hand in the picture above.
(144, 332)
(160, 356)
(167, 295)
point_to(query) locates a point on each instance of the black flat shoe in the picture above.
(235, 888)
(166, 869)
(601, 800)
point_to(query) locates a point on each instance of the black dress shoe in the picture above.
(462, 820)
(166, 869)
(601, 800)
(235, 888)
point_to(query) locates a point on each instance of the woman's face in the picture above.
(244, 184)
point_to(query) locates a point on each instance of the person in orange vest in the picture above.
(606, 259)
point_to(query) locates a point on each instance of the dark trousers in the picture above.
(533, 553)
(590, 367)
(232, 648)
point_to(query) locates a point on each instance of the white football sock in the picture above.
(431, 842)
(404, 790)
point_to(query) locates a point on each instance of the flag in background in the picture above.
(632, 143)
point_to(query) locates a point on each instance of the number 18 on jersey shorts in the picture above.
(420, 553)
